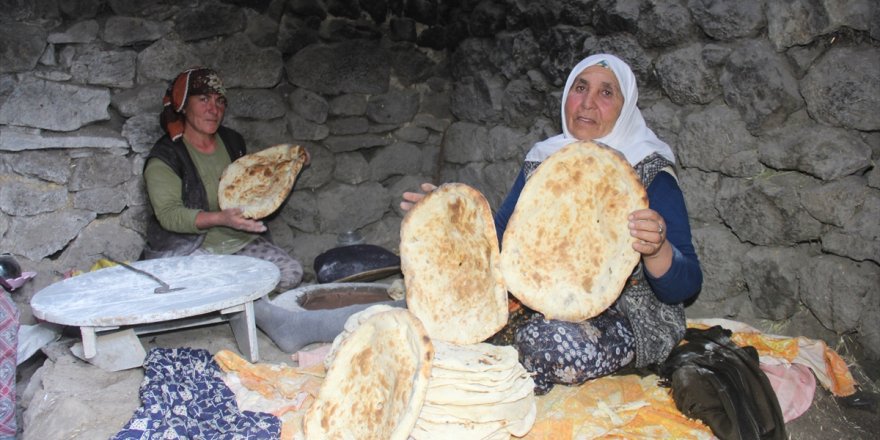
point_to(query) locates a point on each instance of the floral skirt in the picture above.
(569, 353)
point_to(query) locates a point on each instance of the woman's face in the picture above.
(204, 113)
(593, 103)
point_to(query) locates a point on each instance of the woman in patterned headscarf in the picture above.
(182, 174)
(647, 321)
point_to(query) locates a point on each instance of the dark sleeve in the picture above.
(684, 278)
(502, 216)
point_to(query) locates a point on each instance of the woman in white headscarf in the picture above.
(641, 328)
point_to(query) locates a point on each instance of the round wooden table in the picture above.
(109, 298)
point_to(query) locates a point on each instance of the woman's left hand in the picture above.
(649, 229)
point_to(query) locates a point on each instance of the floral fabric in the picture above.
(183, 396)
(574, 352)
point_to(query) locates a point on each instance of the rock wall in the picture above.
(771, 108)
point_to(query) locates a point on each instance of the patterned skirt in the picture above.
(569, 353)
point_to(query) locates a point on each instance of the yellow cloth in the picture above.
(283, 391)
(629, 407)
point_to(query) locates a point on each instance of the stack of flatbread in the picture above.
(449, 259)
(567, 250)
(376, 383)
(476, 391)
(258, 183)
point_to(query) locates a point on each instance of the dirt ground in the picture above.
(62, 397)
(830, 417)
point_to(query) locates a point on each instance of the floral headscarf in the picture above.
(191, 82)
(630, 135)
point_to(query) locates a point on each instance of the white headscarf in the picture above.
(630, 135)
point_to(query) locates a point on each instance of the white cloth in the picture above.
(630, 135)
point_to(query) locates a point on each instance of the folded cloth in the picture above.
(284, 391)
(794, 385)
(183, 396)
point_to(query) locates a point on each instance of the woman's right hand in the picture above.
(230, 218)
(233, 218)
(411, 198)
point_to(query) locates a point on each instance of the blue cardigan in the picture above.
(684, 278)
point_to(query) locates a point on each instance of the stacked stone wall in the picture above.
(771, 108)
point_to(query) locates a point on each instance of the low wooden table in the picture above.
(113, 297)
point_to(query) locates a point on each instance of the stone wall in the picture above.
(771, 108)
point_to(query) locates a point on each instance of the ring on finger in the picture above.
(660, 228)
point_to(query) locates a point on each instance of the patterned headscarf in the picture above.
(630, 135)
(191, 82)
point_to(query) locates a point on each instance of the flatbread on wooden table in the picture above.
(258, 183)
(449, 259)
(567, 251)
(376, 385)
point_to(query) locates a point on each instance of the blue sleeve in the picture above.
(684, 278)
(502, 216)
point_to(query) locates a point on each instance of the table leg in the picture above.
(89, 341)
(244, 327)
(119, 350)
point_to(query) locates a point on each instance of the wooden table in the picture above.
(113, 297)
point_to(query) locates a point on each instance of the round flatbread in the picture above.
(476, 357)
(567, 251)
(428, 430)
(492, 412)
(377, 383)
(449, 259)
(258, 183)
(351, 324)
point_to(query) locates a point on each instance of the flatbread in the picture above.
(449, 259)
(476, 357)
(567, 251)
(493, 412)
(376, 386)
(351, 324)
(520, 387)
(258, 183)
(428, 430)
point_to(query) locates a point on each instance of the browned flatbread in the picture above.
(567, 251)
(377, 382)
(259, 182)
(449, 259)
